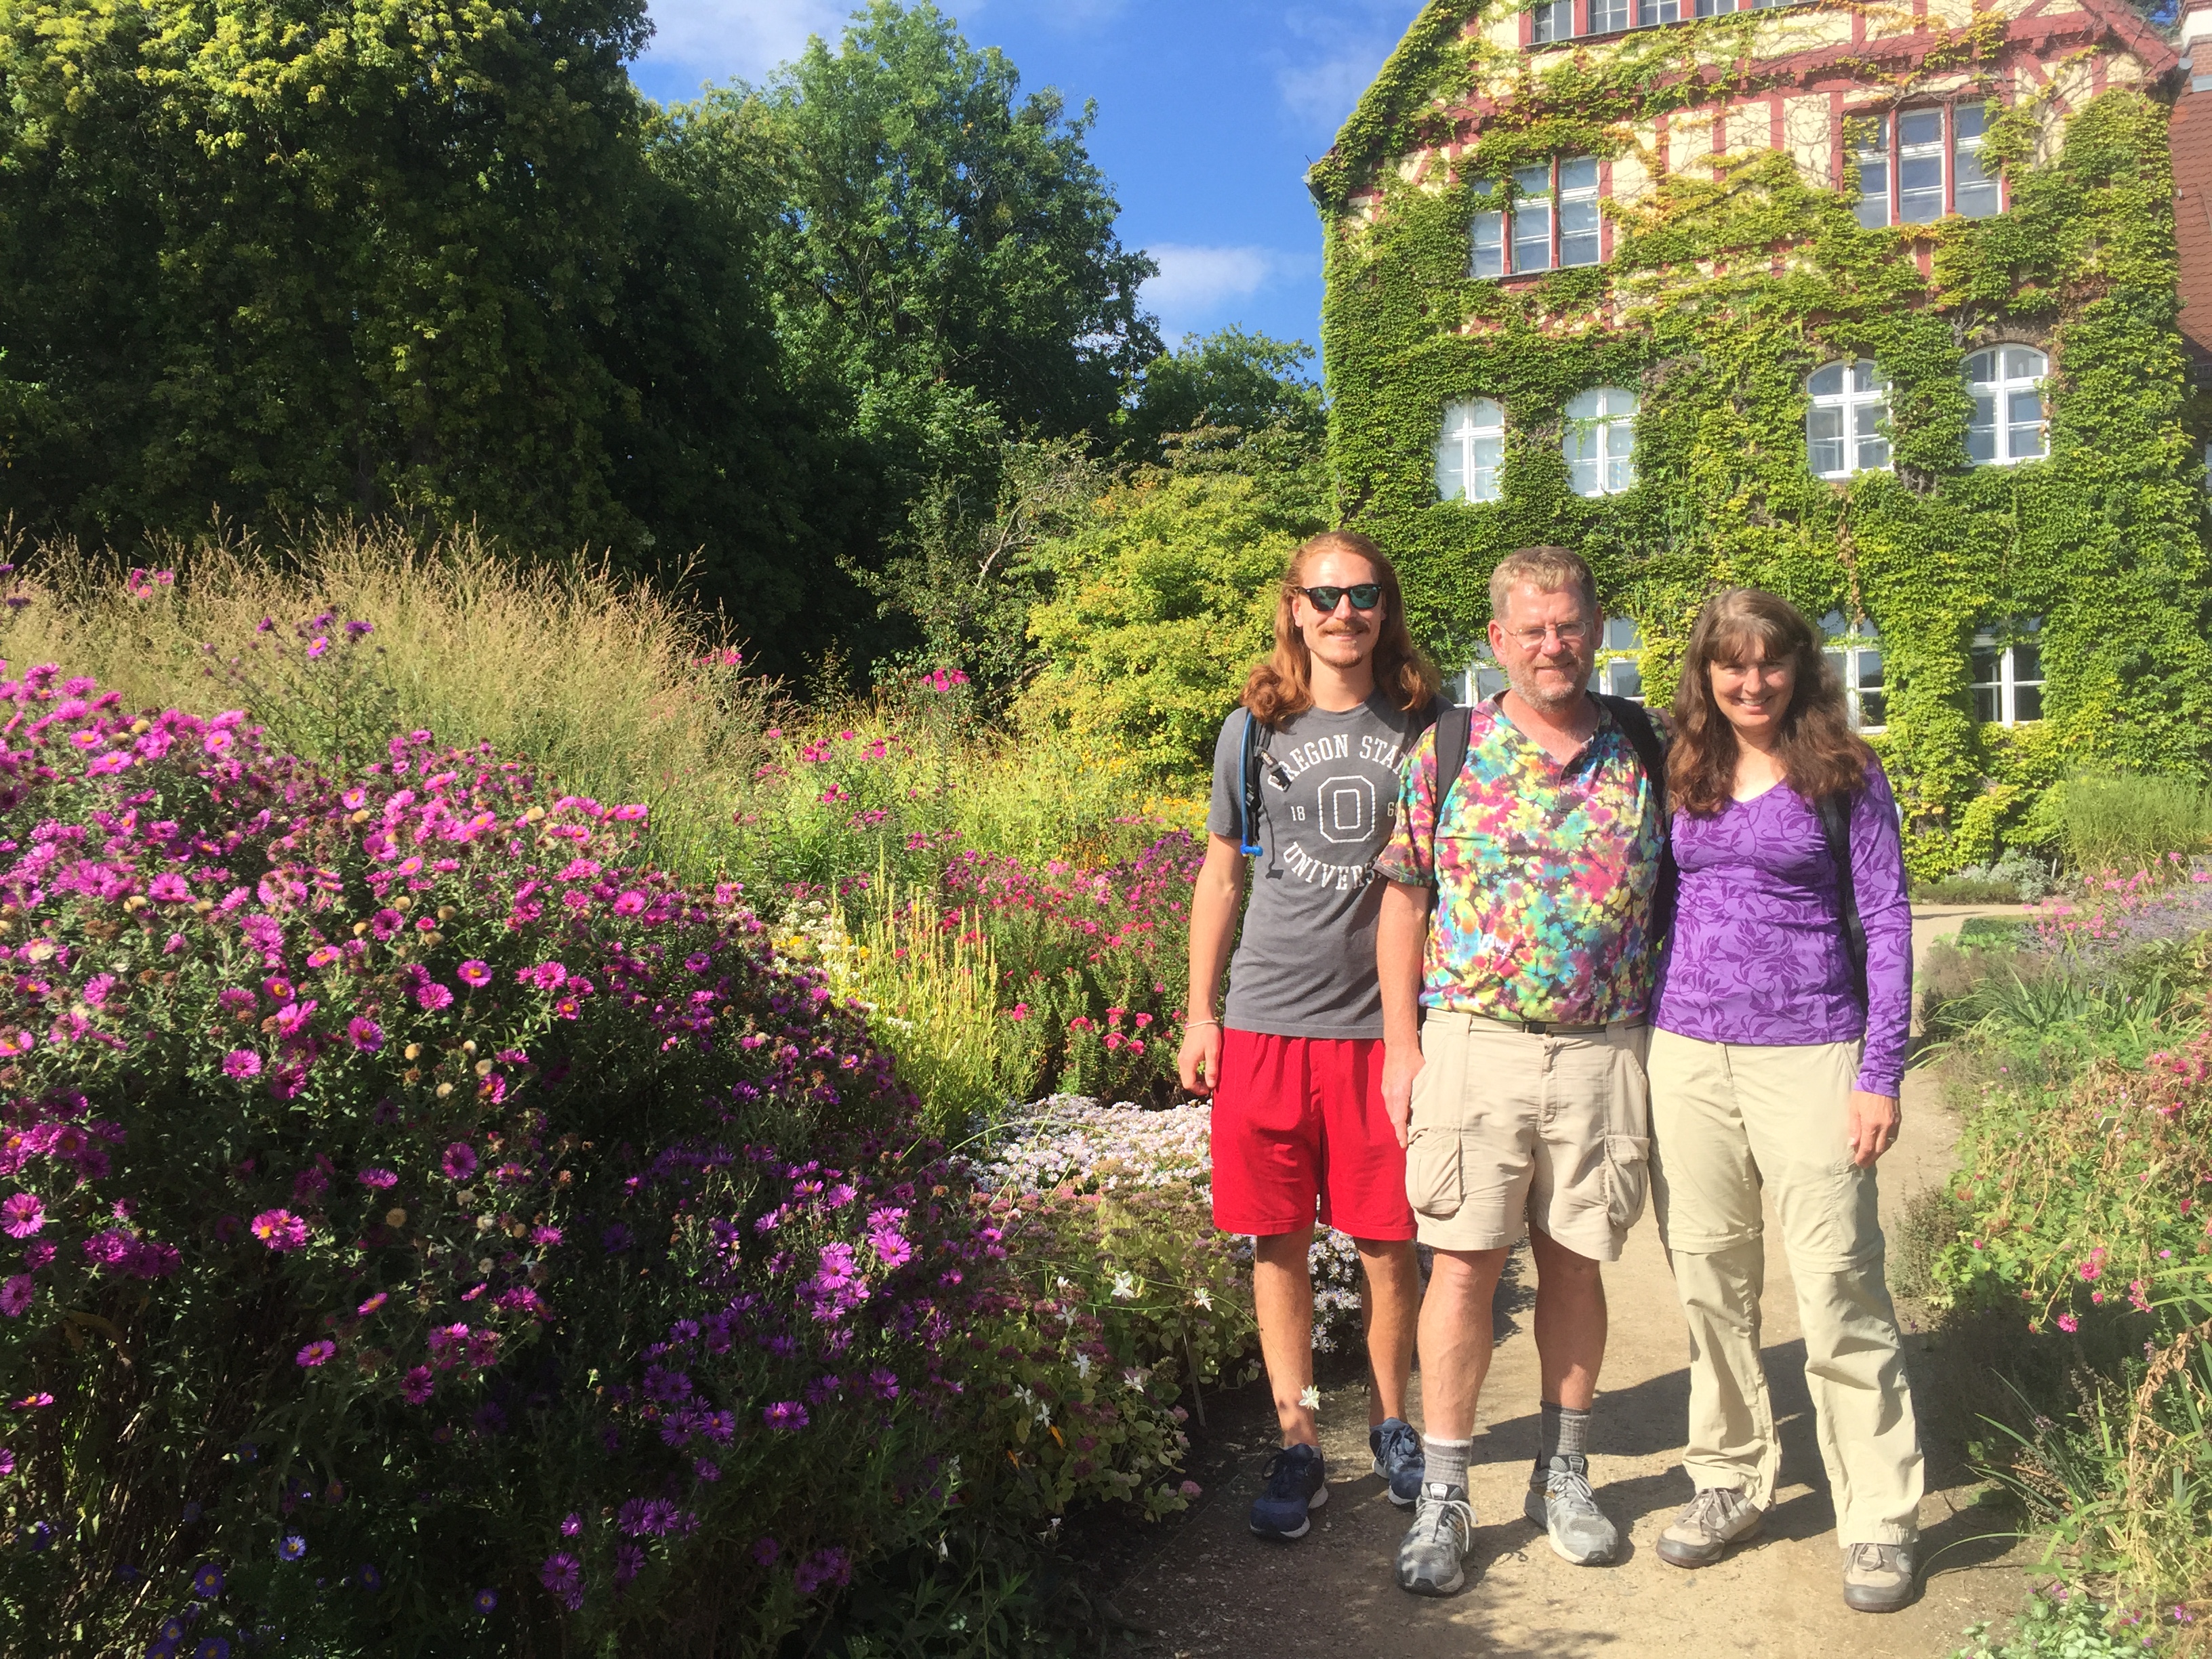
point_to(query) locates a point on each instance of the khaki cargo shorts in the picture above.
(1512, 1129)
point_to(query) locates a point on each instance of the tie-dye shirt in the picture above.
(1545, 871)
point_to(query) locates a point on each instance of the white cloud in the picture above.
(1349, 43)
(744, 38)
(1321, 94)
(1198, 286)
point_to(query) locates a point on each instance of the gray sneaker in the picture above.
(1437, 1543)
(1877, 1578)
(1715, 1518)
(1560, 1501)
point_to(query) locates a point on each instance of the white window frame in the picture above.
(1504, 240)
(1552, 22)
(1599, 440)
(1878, 141)
(2013, 687)
(1619, 669)
(1997, 388)
(1861, 408)
(1854, 650)
(1470, 449)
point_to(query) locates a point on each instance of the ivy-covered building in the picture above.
(1876, 305)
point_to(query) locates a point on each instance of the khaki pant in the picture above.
(1728, 1120)
(1513, 1129)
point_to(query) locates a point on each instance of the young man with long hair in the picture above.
(1776, 1057)
(1307, 772)
(1516, 954)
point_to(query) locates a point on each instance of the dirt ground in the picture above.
(1209, 1587)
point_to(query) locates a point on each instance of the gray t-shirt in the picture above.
(1328, 799)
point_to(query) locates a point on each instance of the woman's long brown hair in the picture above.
(1283, 685)
(1820, 755)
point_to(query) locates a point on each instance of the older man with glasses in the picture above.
(1516, 947)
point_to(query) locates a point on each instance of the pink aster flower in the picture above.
(433, 996)
(22, 1214)
(16, 1295)
(474, 973)
(373, 1303)
(365, 1034)
(316, 1353)
(415, 1387)
(280, 1229)
(459, 1162)
(377, 1180)
(241, 1063)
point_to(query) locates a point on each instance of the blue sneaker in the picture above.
(1398, 1459)
(1296, 1485)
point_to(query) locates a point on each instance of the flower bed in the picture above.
(439, 1234)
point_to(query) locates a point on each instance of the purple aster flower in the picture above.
(545, 1238)
(474, 973)
(280, 1229)
(824, 1567)
(484, 1601)
(316, 1353)
(765, 1551)
(22, 1214)
(365, 1034)
(433, 996)
(786, 1414)
(207, 1581)
(629, 1561)
(459, 1162)
(236, 997)
(707, 1469)
(571, 1524)
(563, 1574)
(241, 1063)
(7, 1462)
(415, 1388)
(291, 1547)
(368, 1578)
(212, 1647)
(630, 1517)
(377, 1179)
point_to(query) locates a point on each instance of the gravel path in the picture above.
(1209, 1588)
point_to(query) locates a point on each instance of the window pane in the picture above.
(1916, 128)
(1532, 219)
(1715, 7)
(1824, 439)
(1920, 188)
(2027, 702)
(2023, 363)
(2027, 663)
(1619, 456)
(1865, 377)
(1485, 453)
(1452, 468)
(1580, 446)
(1982, 666)
(1489, 244)
(1838, 664)
(1872, 454)
(1873, 191)
(1624, 679)
(1975, 192)
(1489, 682)
(1979, 368)
(1869, 666)
(1874, 710)
(1825, 382)
(1982, 431)
(1649, 12)
(1621, 634)
(1607, 15)
(1986, 707)
(2024, 416)
(1578, 217)
(1555, 21)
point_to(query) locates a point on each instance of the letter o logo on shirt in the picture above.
(1347, 808)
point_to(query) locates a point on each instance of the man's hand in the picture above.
(1400, 1066)
(1875, 1121)
(1199, 1060)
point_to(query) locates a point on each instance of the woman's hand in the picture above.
(1875, 1121)
(1199, 1062)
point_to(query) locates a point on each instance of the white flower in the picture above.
(1203, 1297)
(1311, 1398)
(1125, 1288)
(1083, 1366)
(1135, 1379)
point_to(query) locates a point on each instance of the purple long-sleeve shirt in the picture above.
(1756, 955)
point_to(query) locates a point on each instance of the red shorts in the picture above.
(1299, 1121)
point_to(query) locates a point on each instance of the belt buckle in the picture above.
(1537, 1027)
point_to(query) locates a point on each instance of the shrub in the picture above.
(2124, 823)
(443, 1233)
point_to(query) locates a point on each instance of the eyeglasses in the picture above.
(1366, 596)
(1532, 639)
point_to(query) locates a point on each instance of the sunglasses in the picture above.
(1366, 596)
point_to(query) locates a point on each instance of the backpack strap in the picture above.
(1249, 764)
(1454, 727)
(1636, 724)
(1834, 812)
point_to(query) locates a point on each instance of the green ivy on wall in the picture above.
(1717, 331)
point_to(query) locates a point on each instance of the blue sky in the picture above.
(1208, 113)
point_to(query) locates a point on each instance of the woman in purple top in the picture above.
(1775, 1068)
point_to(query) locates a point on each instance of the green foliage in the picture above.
(2058, 1624)
(2120, 823)
(1165, 596)
(1227, 379)
(2102, 539)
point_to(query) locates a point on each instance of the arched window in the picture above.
(1600, 442)
(1468, 452)
(1844, 430)
(2005, 383)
